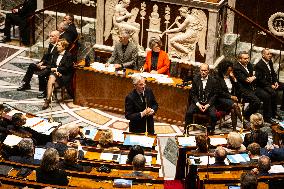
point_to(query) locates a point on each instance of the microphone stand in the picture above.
(50, 119)
(207, 167)
(146, 133)
(243, 119)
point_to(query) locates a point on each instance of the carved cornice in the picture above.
(196, 3)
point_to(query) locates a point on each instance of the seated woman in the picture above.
(256, 134)
(234, 143)
(227, 98)
(157, 60)
(106, 139)
(49, 172)
(202, 144)
(61, 71)
(134, 150)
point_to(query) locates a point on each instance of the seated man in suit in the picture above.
(125, 53)
(264, 165)
(64, 33)
(59, 141)
(140, 106)
(253, 152)
(266, 85)
(220, 156)
(25, 152)
(203, 95)
(19, 17)
(41, 67)
(248, 181)
(243, 71)
(138, 165)
(18, 120)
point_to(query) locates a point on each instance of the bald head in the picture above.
(54, 36)
(138, 162)
(204, 70)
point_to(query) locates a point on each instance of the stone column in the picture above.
(100, 22)
(211, 36)
(230, 17)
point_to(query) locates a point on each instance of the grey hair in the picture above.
(234, 140)
(60, 135)
(50, 160)
(124, 33)
(256, 121)
(139, 162)
(136, 79)
(26, 146)
(240, 54)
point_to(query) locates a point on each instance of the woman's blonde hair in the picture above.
(106, 137)
(256, 121)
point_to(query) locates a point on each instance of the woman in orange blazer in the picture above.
(157, 60)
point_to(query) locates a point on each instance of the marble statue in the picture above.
(121, 20)
(183, 38)
(154, 25)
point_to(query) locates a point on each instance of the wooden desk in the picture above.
(108, 91)
(276, 133)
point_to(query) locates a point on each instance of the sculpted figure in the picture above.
(189, 32)
(124, 20)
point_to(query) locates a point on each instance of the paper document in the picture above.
(122, 183)
(187, 141)
(218, 141)
(45, 127)
(101, 67)
(201, 160)
(237, 158)
(30, 122)
(139, 140)
(276, 169)
(118, 136)
(12, 140)
(39, 153)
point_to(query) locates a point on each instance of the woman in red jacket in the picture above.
(157, 60)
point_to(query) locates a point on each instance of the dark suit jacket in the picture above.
(46, 58)
(223, 89)
(128, 59)
(24, 160)
(241, 74)
(65, 66)
(264, 78)
(60, 147)
(133, 107)
(68, 36)
(28, 7)
(58, 177)
(72, 31)
(210, 91)
(277, 154)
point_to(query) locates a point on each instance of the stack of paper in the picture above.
(12, 140)
(218, 141)
(101, 67)
(276, 169)
(165, 80)
(238, 158)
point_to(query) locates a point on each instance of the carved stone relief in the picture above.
(154, 25)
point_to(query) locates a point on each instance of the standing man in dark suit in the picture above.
(266, 85)
(140, 106)
(41, 67)
(243, 71)
(203, 95)
(125, 53)
(19, 17)
(69, 19)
